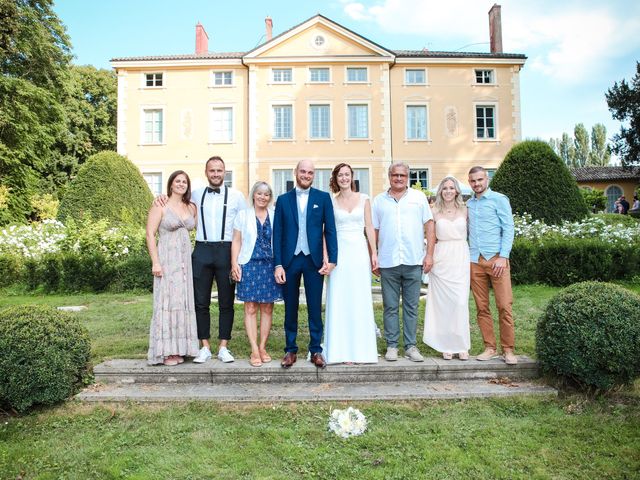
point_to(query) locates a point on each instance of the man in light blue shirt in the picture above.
(490, 241)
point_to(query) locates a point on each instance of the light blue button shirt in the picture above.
(490, 225)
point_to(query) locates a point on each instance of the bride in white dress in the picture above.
(350, 328)
(446, 319)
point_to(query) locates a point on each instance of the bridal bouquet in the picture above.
(347, 423)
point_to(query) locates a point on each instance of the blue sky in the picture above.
(576, 49)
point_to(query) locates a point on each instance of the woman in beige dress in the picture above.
(446, 322)
(173, 332)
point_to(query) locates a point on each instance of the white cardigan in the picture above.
(245, 223)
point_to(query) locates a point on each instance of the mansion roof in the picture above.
(595, 174)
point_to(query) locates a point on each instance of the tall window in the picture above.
(613, 193)
(420, 176)
(154, 181)
(319, 75)
(362, 175)
(484, 76)
(221, 124)
(490, 173)
(356, 74)
(282, 122)
(282, 75)
(358, 121)
(222, 79)
(280, 179)
(153, 79)
(415, 76)
(228, 179)
(153, 128)
(416, 122)
(485, 121)
(319, 121)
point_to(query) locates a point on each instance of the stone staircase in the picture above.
(134, 380)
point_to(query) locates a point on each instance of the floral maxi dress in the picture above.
(173, 329)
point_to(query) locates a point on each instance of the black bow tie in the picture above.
(213, 190)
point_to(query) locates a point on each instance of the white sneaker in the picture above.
(391, 355)
(225, 356)
(413, 354)
(203, 355)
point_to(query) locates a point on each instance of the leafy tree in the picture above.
(108, 186)
(600, 153)
(34, 60)
(90, 105)
(624, 103)
(567, 150)
(581, 142)
(554, 197)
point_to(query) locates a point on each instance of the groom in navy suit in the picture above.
(303, 218)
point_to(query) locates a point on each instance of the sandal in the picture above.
(255, 361)
(463, 355)
(170, 361)
(447, 356)
(264, 356)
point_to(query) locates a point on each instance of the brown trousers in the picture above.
(481, 278)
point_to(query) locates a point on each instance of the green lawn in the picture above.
(119, 323)
(561, 438)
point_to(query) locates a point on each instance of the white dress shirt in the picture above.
(212, 209)
(400, 225)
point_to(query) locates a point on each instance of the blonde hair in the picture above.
(458, 202)
(260, 186)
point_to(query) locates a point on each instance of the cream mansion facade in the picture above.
(319, 91)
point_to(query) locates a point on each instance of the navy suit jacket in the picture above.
(320, 219)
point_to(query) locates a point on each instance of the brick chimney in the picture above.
(495, 29)
(202, 39)
(269, 26)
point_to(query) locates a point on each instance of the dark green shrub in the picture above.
(595, 199)
(133, 273)
(537, 182)
(10, 270)
(91, 273)
(31, 273)
(590, 333)
(108, 186)
(45, 356)
(561, 262)
(50, 272)
(523, 262)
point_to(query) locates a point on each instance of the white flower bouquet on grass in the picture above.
(347, 423)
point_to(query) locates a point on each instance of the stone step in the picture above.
(310, 392)
(215, 372)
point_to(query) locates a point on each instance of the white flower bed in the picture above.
(51, 236)
(592, 227)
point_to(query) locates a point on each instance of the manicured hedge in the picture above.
(590, 333)
(45, 355)
(537, 182)
(108, 186)
(564, 261)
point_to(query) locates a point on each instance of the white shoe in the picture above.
(225, 356)
(413, 354)
(203, 355)
(391, 355)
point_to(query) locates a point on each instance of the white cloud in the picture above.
(567, 42)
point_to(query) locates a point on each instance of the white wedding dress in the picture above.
(446, 319)
(350, 329)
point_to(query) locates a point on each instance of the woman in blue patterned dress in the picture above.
(252, 267)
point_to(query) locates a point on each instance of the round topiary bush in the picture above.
(45, 355)
(590, 333)
(107, 186)
(537, 182)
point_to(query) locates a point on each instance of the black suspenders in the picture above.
(224, 213)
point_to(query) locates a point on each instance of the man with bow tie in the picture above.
(302, 222)
(217, 207)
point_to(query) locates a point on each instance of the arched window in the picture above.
(613, 193)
